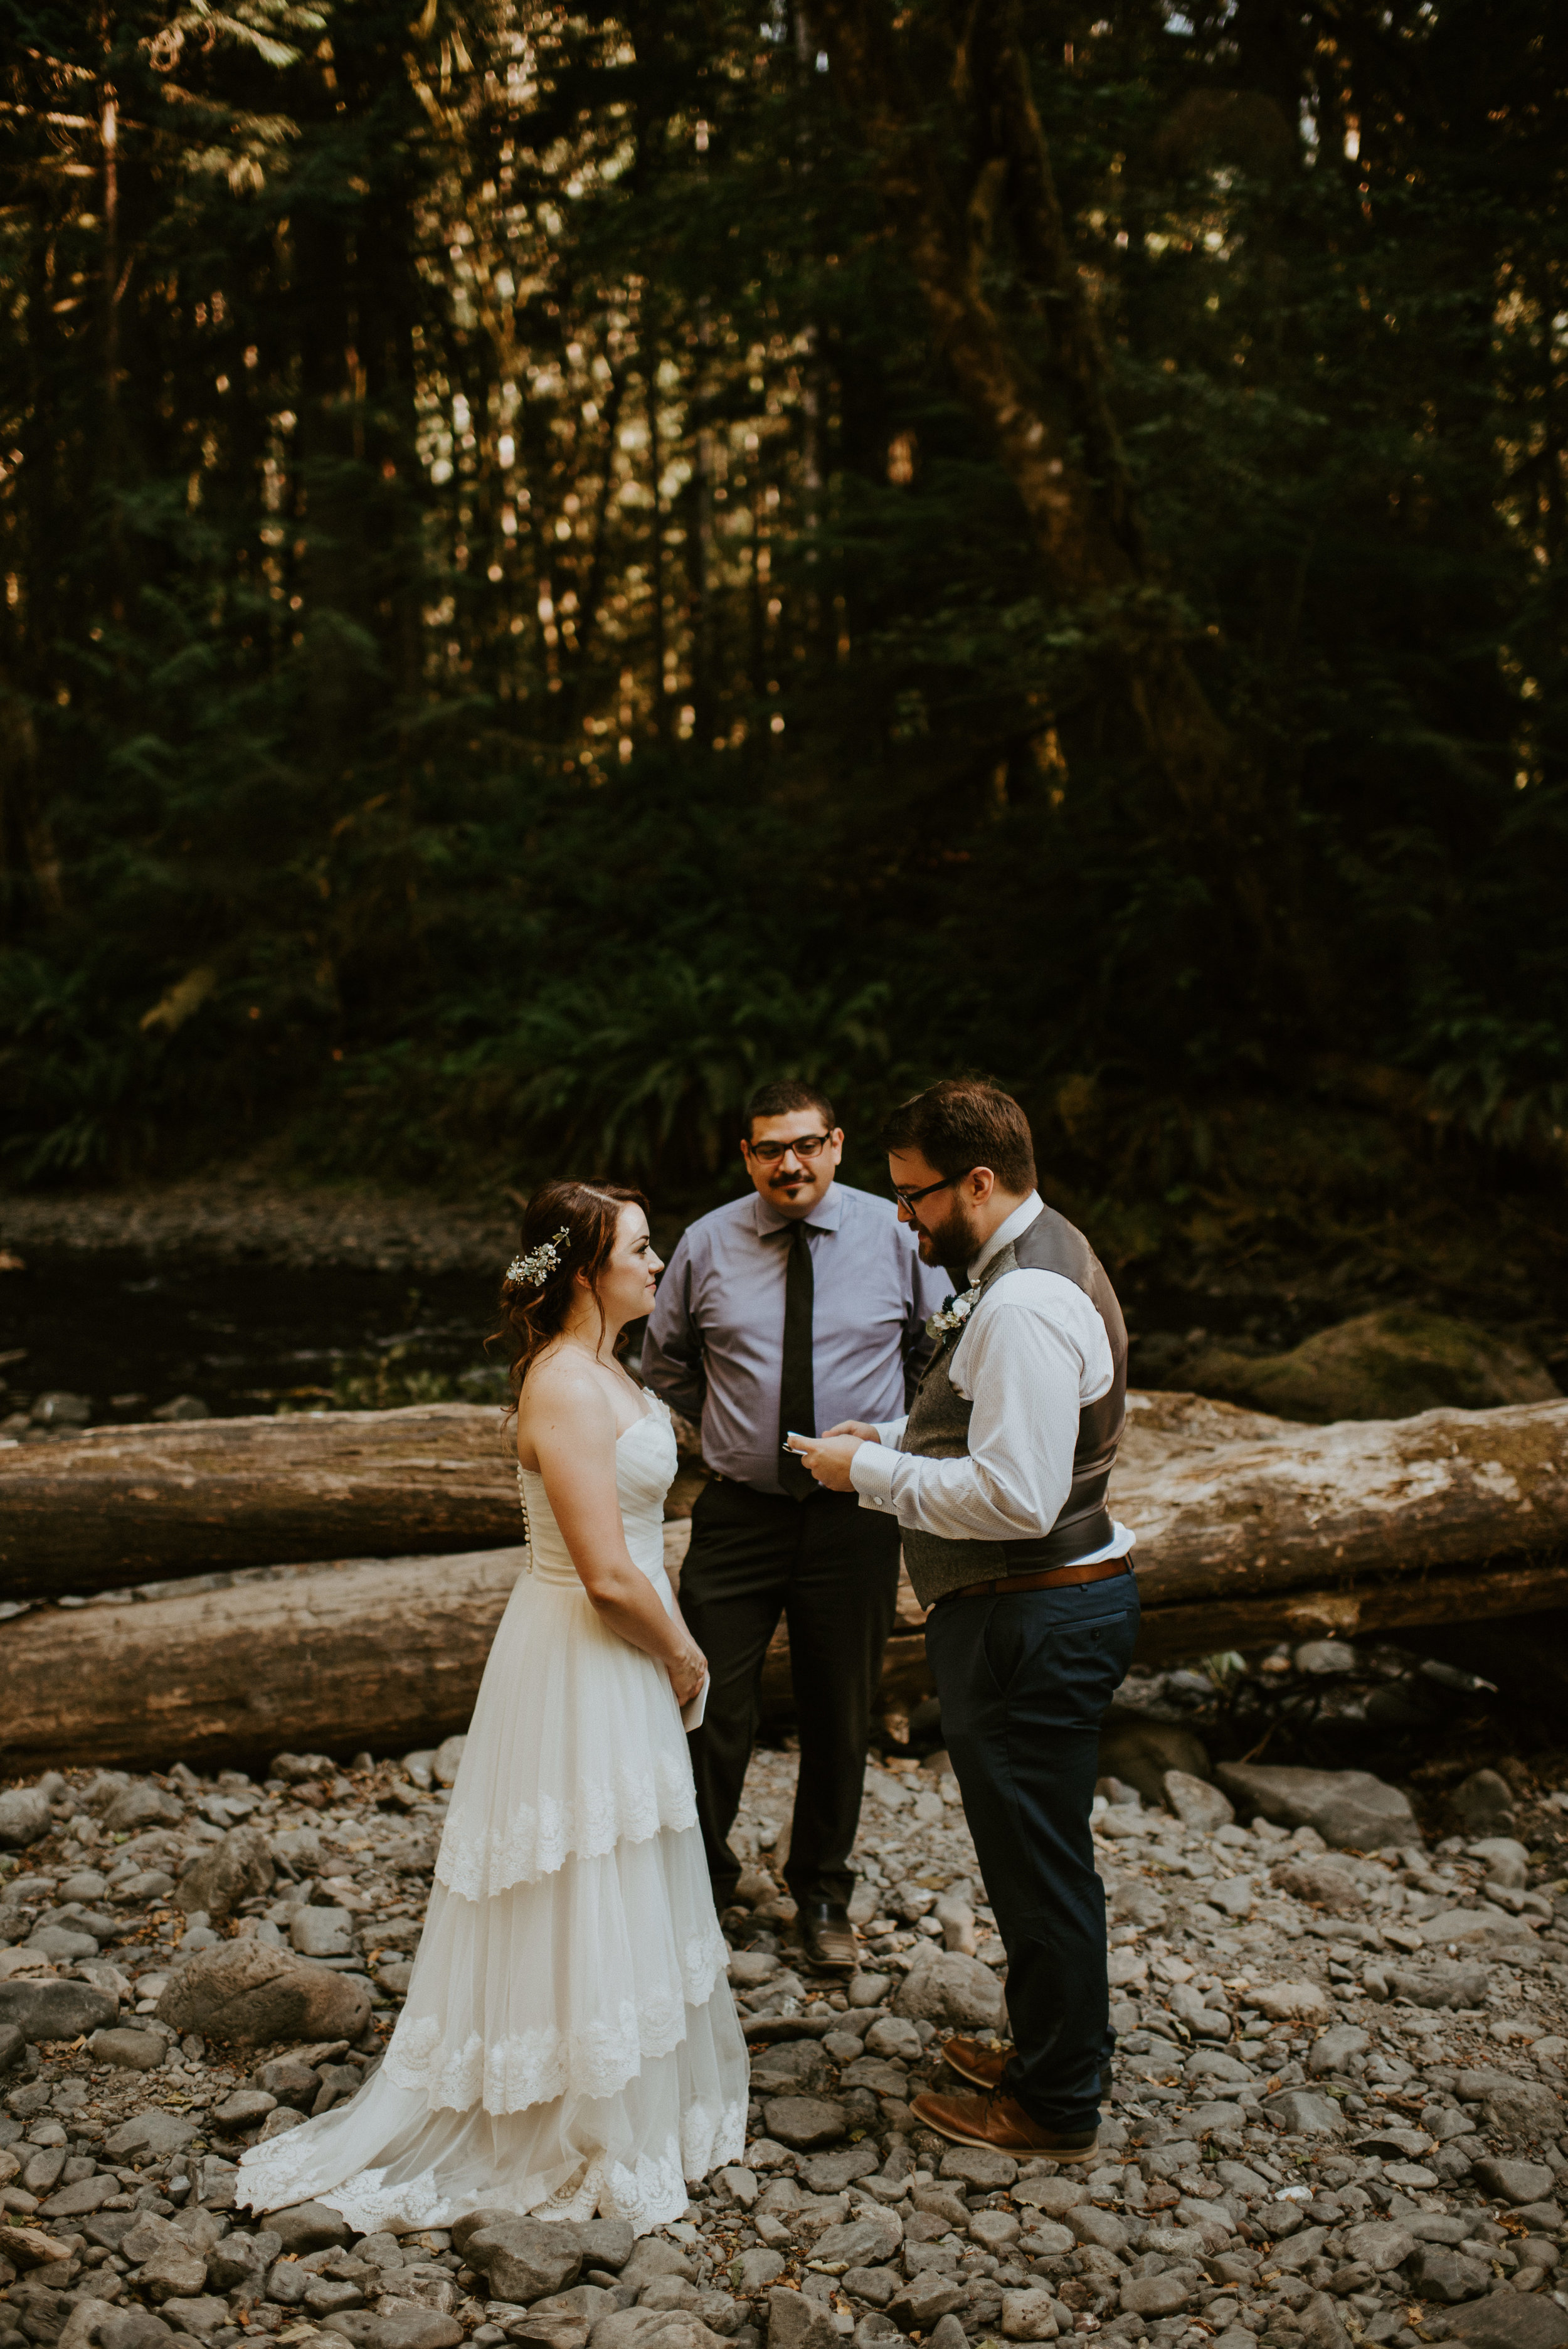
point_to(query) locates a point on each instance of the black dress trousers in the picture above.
(1023, 1681)
(831, 1568)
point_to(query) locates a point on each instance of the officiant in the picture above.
(801, 1304)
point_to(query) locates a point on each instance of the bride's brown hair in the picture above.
(567, 1229)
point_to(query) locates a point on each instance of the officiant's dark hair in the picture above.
(567, 1229)
(963, 1123)
(780, 1095)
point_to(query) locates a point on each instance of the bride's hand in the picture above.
(687, 1674)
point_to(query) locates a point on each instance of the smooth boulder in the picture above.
(1524, 2112)
(1484, 1803)
(402, 2328)
(56, 2008)
(952, 1991)
(24, 1816)
(802, 2122)
(524, 2260)
(98, 2324)
(142, 1805)
(154, 2132)
(1509, 2320)
(1322, 1883)
(239, 1868)
(1390, 1364)
(1292, 2002)
(1300, 2113)
(1515, 2181)
(1450, 1983)
(1348, 1807)
(1141, 1752)
(1197, 1804)
(246, 1991)
(128, 2049)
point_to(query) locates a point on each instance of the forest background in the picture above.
(557, 563)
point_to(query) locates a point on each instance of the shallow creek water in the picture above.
(128, 1335)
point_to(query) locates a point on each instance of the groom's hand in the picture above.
(827, 1457)
(861, 1427)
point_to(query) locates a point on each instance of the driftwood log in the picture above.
(388, 1654)
(1229, 1506)
(1250, 1530)
(384, 1652)
(122, 1506)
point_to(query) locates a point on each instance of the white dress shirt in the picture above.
(1033, 1351)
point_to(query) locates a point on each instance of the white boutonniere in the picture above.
(953, 1314)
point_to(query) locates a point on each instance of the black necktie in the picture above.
(797, 1403)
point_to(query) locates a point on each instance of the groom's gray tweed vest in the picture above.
(938, 1428)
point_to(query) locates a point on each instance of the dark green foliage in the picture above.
(341, 792)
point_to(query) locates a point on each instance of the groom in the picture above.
(997, 1478)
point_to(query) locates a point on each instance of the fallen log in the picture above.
(117, 1506)
(1171, 1634)
(383, 1653)
(1285, 1508)
(1250, 1530)
(388, 1654)
(122, 1506)
(1226, 1503)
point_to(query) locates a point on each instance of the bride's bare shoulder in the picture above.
(563, 1385)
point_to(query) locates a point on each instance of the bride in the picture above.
(569, 2046)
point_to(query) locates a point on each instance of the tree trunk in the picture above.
(1054, 431)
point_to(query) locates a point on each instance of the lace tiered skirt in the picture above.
(569, 2044)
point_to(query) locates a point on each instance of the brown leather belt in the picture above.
(1058, 1577)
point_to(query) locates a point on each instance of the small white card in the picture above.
(692, 1712)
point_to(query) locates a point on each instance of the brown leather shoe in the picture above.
(997, 2122)
(983, 2061)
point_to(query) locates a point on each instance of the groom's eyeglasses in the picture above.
(805, 1145)
(911, 1199)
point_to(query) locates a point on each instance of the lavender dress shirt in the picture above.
(715, 1343)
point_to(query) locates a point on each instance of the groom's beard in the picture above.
(957, 1244)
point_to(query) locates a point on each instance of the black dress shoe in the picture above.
(825, 1936)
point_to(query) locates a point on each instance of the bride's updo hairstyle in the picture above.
(567, 1229)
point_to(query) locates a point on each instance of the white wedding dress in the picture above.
(569, 2046)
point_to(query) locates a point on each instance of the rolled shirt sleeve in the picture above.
(1027, 1361)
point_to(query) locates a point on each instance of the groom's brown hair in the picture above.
(963, 1123)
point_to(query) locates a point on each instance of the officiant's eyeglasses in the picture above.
(805, 1145)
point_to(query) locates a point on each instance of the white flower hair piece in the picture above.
(533, 1269)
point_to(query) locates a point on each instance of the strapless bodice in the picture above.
(645, 1464)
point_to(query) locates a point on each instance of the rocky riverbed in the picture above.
(1337, 2114)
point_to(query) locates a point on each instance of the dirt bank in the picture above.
(246, 1217)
